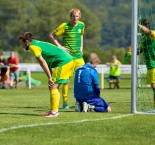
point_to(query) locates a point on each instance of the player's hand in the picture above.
(108, 64)
(66, 49)
(50, 83)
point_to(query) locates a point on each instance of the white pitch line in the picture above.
(67, 122)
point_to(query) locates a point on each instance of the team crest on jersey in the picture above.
(79, 30)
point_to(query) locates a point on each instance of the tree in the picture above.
(41, 18)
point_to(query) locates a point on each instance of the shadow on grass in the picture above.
(19, 114)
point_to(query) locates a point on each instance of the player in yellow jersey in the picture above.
(50, 56)
(72, 34)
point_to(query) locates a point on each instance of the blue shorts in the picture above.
(100, 104)
(113, 78)
(14, 76)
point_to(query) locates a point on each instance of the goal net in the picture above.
(142, 93)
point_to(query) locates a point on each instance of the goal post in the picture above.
(142, 100)
(134, 54)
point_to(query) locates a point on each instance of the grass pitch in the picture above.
(20, 123)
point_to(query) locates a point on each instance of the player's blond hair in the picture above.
(94, 58)
(72, 11)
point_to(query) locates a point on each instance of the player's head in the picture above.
(75, 15)
(114, 57)
(145, 23)
(130, 48)
(94, 59)
(25, 39)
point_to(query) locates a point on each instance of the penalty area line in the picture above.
(66, 122)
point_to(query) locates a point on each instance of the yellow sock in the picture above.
(64, 93)
(54, 99)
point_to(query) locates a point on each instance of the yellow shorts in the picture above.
(61, 74)
(78, 62)
(150, 76)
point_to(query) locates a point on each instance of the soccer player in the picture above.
(147, 47)
(86, 89)
(114, 72)
(50, 56)
(72, 33)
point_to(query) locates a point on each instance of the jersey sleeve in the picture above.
(59, 30)
(153, 34)
(83, 29)
(35, 50)
(94, 77)
(95, 82)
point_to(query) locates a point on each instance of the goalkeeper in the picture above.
(86, 89)
(50, 56)
(147, 47)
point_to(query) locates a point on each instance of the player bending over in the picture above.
(50, 56)
(86, 89)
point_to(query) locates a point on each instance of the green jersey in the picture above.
(53, 55)
(72, 37)
(148, 47)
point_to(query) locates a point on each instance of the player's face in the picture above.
(75, 18)
(24, 45)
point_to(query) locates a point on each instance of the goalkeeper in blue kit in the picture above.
(86, 89)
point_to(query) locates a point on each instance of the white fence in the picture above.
(101, 69)
(125, 69)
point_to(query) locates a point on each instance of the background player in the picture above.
(72, 33)
(147, 47)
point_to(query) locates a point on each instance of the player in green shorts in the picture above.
(50, 56)
(72, 34)
(147, 47)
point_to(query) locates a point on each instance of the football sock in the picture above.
(64, 93)
(54, 99)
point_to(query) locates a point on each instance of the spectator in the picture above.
(114, 77)
(86, 89)
(72, 33)
(127, 57)
(12, 62)
(3, 70)
(50, 56)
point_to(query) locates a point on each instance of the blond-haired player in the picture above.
(72, 34)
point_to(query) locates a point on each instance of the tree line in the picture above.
(108, 24)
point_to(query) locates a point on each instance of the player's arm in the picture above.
(146, 30)
(45, 67)
(119, 63)
(96, 88)
(81, 49)
(54, 36)
(54, 40)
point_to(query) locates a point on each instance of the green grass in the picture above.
(20, 108)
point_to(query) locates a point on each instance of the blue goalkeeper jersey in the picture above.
(86, 78)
